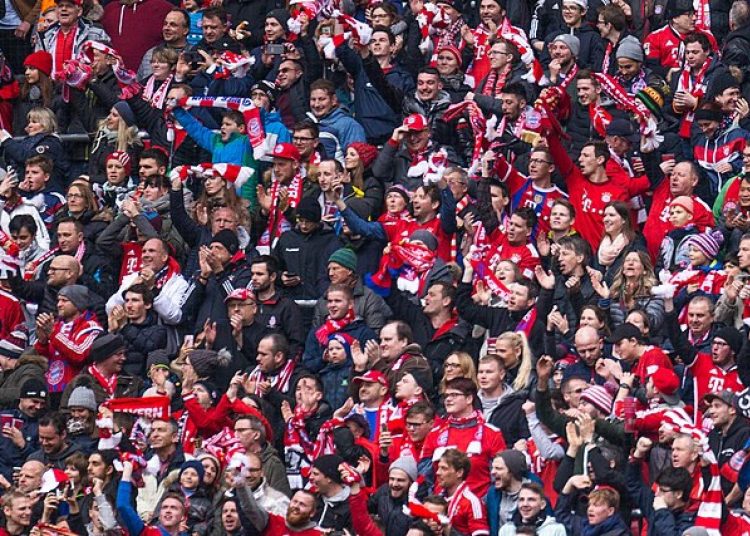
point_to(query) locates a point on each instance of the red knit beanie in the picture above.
(450, 49)
(41, 59)
(367, 153)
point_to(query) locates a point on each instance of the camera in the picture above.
(193, 58)
(274, 50)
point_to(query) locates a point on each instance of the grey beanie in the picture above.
(571, 41)
(77, 294)
(695, 531)
(83, 397)
(427, 238)
(515, 461)
(407, 464)
(630, 48)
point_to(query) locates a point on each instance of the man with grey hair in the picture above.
(252, 434)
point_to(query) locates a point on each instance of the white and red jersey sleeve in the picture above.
(467, 513)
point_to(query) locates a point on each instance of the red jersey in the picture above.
(277, 527)
(446, 242)
(524, 256)
(657, 225)
(11, 314)
(651, 359)
(523, 193)
(590, 198)
(708, 378)
(467, 513)
(480, 442)
(666, 46)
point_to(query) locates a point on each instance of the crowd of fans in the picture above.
(367, 267)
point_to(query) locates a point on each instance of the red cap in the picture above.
(451, 50)
(666, 381)
(415, 122)
(372, 376)
(41, 59)
(241, 294)
(287, 151)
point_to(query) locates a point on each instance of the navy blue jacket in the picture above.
(10, 455)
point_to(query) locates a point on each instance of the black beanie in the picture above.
(228, 239)
(732, 336)
(329, 466)
(515, 461)
(281, 15)
(309, 209)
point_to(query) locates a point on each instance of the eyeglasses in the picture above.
(452, 365)
(301, 139)
(577, 391)
(415, 424)
(75, 196)
(538, 161)
(448, 396)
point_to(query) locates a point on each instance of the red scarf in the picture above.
(30, 270)
(331, 326)
(156, 97)
(410, 260)
(697, 88)
(497, 288)
(276, 217)
(280, 382)
(475, 420)
(527, 322)
(447, 326)
(108, 385)
(493, 86)
(600, 118)
(150, 407)
(607, 56)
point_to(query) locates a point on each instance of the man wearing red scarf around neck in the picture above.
(463, 429)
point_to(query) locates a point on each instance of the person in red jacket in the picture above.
(463, 429)
(67, 341)
(466, 512)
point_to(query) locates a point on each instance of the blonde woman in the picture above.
(116, 132)
(458, 365)
(42, 139)
(513, 348)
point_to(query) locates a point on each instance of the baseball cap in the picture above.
(287, 151)
(415, 122)
(372, 376)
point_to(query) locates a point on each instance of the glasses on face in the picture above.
(75, 196)
(415, 424)
(449, 396)
(302, 139)
(452, 365)
(538, 161)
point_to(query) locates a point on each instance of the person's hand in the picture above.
(286, 411)
(586, 427)
(642, 447)
(563, 326)
(130, 208)
(22, 30)
(234, 385)
(483, 295)
(98, 487)
(627, 378)
(208, 60)
(372, 349)
(209, 333)
(488, 162)
(659, 503)
(4, 483)
(159, 378)
(546, 279)
(723, 167)
(667, 166)
(521, 445)
(544, 370)
(575, 441)
(543, 244)
(117, 318)
(528, 407)
(385, 441)
(44, 324)
(625, 7)
(555, 66)
(745, 292)
(344, 410)
(399, 132)
(602, 368)
(573, 282)
(597, 282)
(236, 322)
(264, 387)
(469, 96)
(205, 267)
(363, 465)
(416, 6)
(148, 277)
(240, 33)
(685, 101)
(638, 167)
(578, 482)
(189, 377)
(15, 436)
(467, 35)
(468, 224)
(9, 184)
(742, 109)
(732, 289)
(359, 357)
(51, 502)
(290, 280)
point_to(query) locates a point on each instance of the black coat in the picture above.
(725, 445)
(45, 296)
(140, 340)
(510, 418)
(18, 151)
(281, 313)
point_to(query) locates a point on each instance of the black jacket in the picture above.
(281, 313)
(307, 256)
(725, 445)
(390, 511)
(510, 418)
(45, 296)
(140, 340)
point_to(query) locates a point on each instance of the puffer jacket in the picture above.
(18, 151)
(724, 147)
(140, 340)
(335, 380)
(84, 32)
(337, 130)
(510, 418)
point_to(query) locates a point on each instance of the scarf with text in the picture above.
(331, 326)
(150, 407)
(277, 222)
(475, 420)
(482, 272)
(251, 114)
(298, 446)
(406, 259)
